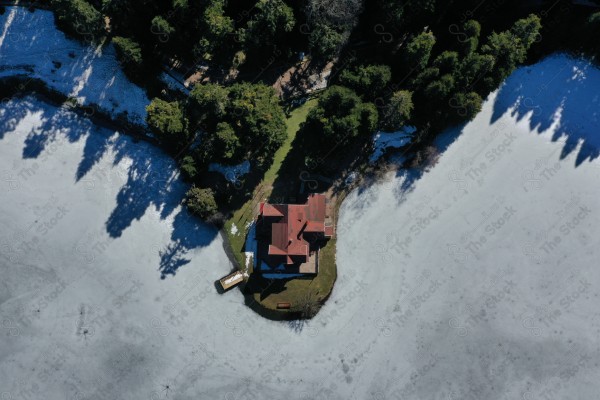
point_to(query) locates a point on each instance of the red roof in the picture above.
(270, 211)
(289, 222)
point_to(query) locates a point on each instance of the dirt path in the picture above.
(302, 79)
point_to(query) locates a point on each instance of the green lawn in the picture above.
(245, 214)
(302, 293)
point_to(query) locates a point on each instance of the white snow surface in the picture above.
(173, 83)
(234, 277)
(383, 140)
(318, 81)
(250, 247)
(30, 45)
(477, 280)
(231, 172)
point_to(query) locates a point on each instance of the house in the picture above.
(289, 235)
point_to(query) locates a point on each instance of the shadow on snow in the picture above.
(146, 177)
(556, 91)
(559, 93)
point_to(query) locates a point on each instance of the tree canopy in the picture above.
(419, 49)
(201, 202)
(208, 102)
(273, 19)
(423, 62)
(398, 110)
(341, 115)
(79, 17)
(216, 26)
(129, 54)
(167, 121)
(325, 41)
(367, 81)
(509, 48)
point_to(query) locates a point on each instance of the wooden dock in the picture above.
(231, 280)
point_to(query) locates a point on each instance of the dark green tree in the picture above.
(404, 13)
(510, 48)
(592, 34)
(227, 144)
(201, 202)
(466, 105)
(162, 29)
(180, 5)
(418, 50)
(398, 110)
(439, 89)
(447, 62)
(426, 76)
(273, 19)
(189, 167)
(79, 18)
(208, 102)
(527, 30)
(324, 41)
(475, 69)
(594, 20)
(340, 116)
(216, 26)
(470, 40)
(129, 55)
(256, 115)
(367, 81)
(167, 121)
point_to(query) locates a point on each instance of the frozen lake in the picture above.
(476, 280)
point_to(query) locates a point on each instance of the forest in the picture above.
(426, 63)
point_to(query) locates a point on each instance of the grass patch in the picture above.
(293, 122)
(243, 216)
(306, 295)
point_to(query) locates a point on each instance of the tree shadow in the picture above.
(188, 233)
(147, 178)
(315, 170)
(93, 150)
(171, 259)
(559, 95)
(57, 125)
(12, 112)
(297, 325)
(411, 175)
(151, 182)
(259, 284)
(405, 177)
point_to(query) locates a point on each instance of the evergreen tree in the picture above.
(167, 121)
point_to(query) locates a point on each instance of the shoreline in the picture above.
(23, 85)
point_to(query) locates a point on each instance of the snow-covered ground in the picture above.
(477, 280)
(173, 83)
(384, 140)
(30, 45)
(318, 81)
(231, 172)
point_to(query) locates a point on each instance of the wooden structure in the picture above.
(231, 280)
